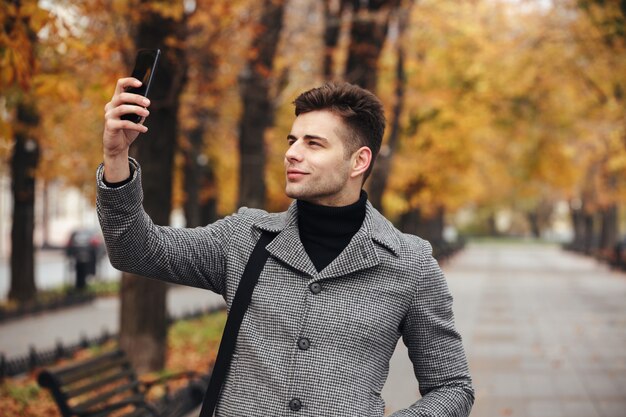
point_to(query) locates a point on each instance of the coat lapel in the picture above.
(360, 253)
(287, 246)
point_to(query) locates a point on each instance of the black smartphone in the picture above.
(145, 67)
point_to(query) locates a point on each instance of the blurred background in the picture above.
(505, 145)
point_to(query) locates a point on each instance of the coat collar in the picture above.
(359, 254)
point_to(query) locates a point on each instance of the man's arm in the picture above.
(435, 347)
(194, 257)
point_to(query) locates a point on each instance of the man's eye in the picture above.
(313, 143)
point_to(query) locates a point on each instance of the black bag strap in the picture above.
(233, 322)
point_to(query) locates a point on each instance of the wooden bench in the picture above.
(108, 384)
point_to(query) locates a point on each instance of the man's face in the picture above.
(316, 166)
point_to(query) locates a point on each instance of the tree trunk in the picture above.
(533, 221)
(578, 225)
(382, 166)
(199, 177)
(492, 227)
(409, 221)
(143, 324)
(429, 228)
(367, 37)
(540, 217)
(208, 199)
(193, 160)
(23, 165)
(589, 237)
(258, 109)
(199, 183)
(45, 215)
(432, 227)
(610, 227)
(333, 10)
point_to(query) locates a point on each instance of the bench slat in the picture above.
(136, 400)
(85, 406)
(105, 357)
(92, 369)
(128, 373)
(142, 412)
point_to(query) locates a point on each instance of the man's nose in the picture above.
(294, 152)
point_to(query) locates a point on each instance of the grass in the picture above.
(192, 346)
(95, 287)
(509, 240)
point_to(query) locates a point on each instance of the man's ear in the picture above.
(361, 161)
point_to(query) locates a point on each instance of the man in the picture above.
(339, 289)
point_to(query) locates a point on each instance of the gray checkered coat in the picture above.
(303, 349)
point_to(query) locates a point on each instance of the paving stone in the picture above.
(578, 408)
(505, 385)
(500, 407)
(569, 386)
(539, 385)
(612, 408)
(545, 408)
(603, 386)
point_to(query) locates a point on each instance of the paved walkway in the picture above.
(544, 330)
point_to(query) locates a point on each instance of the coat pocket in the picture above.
(377, 405)
(230, 388)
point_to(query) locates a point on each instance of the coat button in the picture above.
(304, 343)
(295, 404)
(315, 288)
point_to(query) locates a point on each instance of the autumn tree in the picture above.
(21, 23)
(370, 23)
(432, 167)
(382, 168)
(66, 85)
(23, 165)
(602, 72)
(202, 56)
(258, 107)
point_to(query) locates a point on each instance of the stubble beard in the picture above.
(316, 190)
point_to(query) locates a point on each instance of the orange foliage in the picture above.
(507, 103)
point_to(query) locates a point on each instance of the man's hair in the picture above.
(361, 111)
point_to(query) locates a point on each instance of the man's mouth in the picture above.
(294, 174)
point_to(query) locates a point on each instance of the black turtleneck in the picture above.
(326, 231)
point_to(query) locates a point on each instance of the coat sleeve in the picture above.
(194, 257)
(435, 347)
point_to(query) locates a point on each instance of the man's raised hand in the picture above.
(119, 134)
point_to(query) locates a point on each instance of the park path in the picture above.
(42, 331)
(544, 331)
